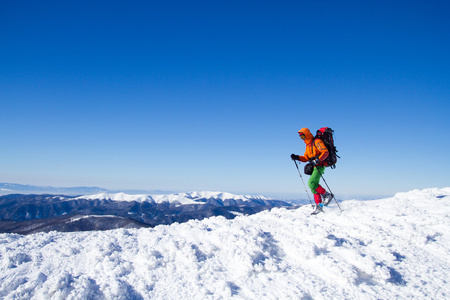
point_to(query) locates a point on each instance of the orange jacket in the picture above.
(313, 150)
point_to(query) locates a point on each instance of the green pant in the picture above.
(314, 180)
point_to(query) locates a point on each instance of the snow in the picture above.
(393, 248)
(182, 198)
(77, 218)
(117, 197)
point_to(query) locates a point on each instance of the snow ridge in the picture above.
(182, 198)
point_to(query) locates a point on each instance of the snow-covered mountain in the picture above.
(27, 214)
(220, 198)
(393, 248)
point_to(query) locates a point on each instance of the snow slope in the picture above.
(394, 248)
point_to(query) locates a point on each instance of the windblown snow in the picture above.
(391, 248)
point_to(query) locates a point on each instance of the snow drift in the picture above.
(391, 248)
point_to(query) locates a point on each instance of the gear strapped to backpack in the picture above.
(326, 135)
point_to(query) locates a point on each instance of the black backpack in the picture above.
(326, 135)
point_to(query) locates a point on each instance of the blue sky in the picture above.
(209, 95)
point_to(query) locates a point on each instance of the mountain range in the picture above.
(31, 213)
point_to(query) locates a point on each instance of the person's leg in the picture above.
(313, 182)
(320, 190)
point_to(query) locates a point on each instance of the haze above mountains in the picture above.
(15, 188)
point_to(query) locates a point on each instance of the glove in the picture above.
(315, 162)
(295, 157)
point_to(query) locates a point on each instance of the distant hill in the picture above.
(15, 188)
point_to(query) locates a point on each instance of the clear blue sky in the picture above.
(209, 95)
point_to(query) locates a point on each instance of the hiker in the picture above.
(316, 152)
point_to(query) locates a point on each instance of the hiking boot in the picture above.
(318, 209)
(327, 198)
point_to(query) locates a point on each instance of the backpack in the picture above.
(326, 135)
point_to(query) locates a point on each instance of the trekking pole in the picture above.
(299, 173)
(329, 190)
